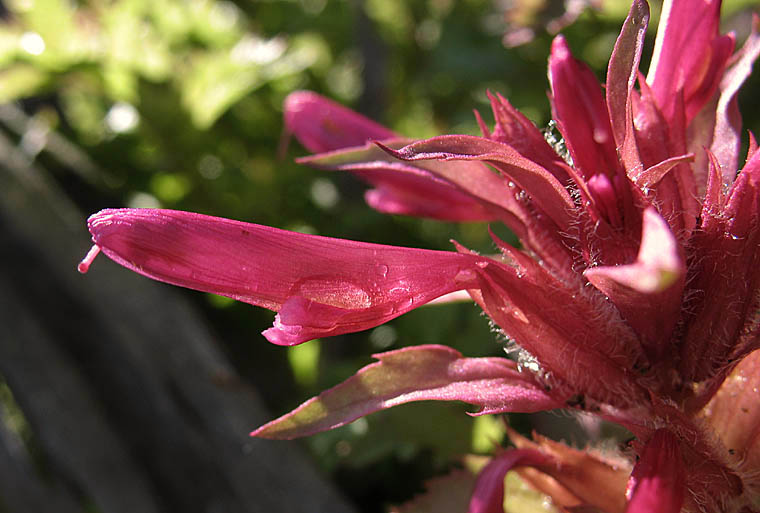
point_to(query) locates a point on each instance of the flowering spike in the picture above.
(634, 299)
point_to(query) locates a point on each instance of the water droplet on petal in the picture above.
(382, 270)
(405, 304)
(335, 292)
(600, 136)
(464, 276)
(519, 315)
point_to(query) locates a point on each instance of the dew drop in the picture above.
(600, 136)
(520, 316)
(526, 361)
(389, 310)
(509, 345)
(335, 292)
(464, 276)
(382, 270)
(399, 298)
(405, 304)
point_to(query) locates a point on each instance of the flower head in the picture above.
(635, 295)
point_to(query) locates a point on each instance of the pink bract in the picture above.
(636, 291)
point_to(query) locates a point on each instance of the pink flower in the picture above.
(635, 296)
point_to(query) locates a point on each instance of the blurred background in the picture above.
(117, 394)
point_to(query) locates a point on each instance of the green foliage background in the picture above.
(177, 103)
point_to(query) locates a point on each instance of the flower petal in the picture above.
(323, 125)
(419, 373)
(648, 291)
(421, 189)
(545, 189)
(579, 109)
(320, 286)
(488, 495)
(689, 55)
(658, 480)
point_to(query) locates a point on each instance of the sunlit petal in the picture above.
(420, 373)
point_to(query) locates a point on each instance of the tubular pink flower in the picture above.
(319, 286)
(634, 297)
(458, 191)
(322, 125)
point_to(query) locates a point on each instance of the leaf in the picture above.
(419, 373)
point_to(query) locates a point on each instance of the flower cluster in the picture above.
(636, 293)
